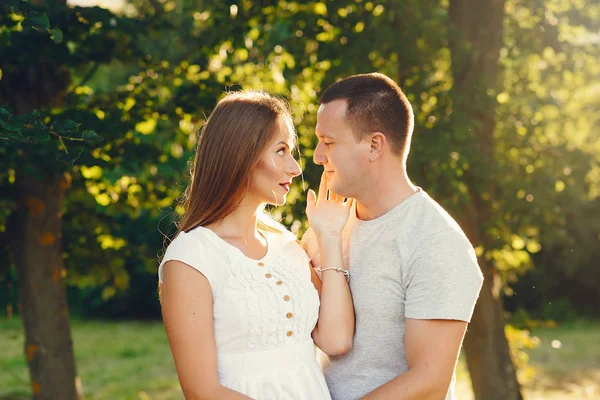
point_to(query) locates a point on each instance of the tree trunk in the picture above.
(492, 371)
(475, 41)
(36, 232)
(493, 374)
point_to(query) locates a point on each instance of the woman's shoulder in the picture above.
(197, 249)
(200, 241)
(198, 238)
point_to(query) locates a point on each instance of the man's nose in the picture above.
(318, 156)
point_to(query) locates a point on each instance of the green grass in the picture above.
(131, 360)
(115, 360)
(571, 368)
(568, 371)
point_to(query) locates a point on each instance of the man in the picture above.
(413, 273)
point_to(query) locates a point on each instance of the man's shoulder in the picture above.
(430, 218)
(437, 234)
(421, 218)
(422, 227)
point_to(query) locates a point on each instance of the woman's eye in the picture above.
(281, 151)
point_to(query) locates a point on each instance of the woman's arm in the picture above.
(186, 300)
(334, 332)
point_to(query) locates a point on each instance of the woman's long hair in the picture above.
(237, 131)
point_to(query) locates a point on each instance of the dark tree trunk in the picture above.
(493, 374)
(475, 41)
(36, 244)
(35, 233)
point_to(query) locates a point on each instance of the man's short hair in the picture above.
(375, 103)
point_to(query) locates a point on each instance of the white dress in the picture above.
(264, 312)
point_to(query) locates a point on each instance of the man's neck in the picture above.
(384, 194)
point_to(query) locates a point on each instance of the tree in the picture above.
(475, 41)
(409, 41)
(99, 111)
(86, 170)
(54, 160)
(548, 120)
(35, 227)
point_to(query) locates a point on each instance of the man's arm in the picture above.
(432, 348)
(443, 283)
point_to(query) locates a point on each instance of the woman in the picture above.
(240, 302)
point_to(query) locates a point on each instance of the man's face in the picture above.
(344, 158)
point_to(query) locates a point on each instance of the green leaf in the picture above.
(66, 125)
(12, 136)
(13, 125)
(5, 112)
(37, 131)
(74, 153)
(91, 136)
(37, 21)
(57, 36)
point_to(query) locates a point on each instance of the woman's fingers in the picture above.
(311, 198)
(326, 194)
(348, 203)
(322, 188)
(336, 197)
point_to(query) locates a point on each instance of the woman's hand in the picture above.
(327, 214)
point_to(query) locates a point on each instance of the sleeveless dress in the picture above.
(264, 312)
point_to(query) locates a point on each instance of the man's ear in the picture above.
(377, 144)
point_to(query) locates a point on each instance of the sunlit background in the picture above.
(100, 103)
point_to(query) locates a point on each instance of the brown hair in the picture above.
(236, 132)
(375, 103)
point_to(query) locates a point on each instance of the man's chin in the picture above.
(338, 189)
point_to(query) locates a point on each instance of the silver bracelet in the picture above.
(343, 271)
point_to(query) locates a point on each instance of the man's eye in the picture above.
(328, 143)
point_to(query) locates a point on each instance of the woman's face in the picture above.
(270, 181)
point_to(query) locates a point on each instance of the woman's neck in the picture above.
(239, 229)
(241, 223)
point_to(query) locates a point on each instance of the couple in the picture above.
(383, 283)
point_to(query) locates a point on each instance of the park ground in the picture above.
(131, 360)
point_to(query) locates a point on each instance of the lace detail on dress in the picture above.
(281, 303)
(243, 274)
(306, 304)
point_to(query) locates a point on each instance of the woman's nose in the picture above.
(295, 169)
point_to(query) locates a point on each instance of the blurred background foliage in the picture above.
(111, 94)
(146, 93)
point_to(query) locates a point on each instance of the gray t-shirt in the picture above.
(413, 262)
